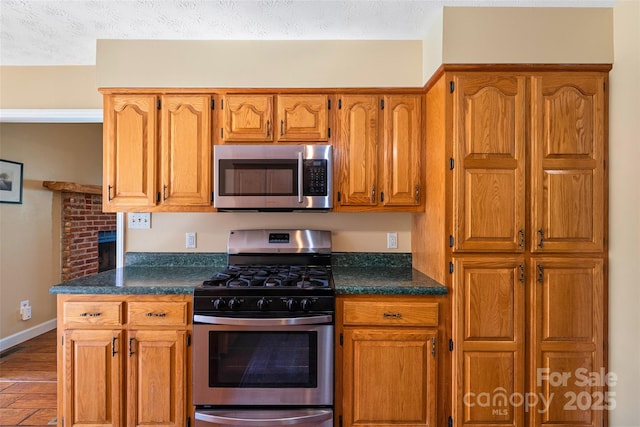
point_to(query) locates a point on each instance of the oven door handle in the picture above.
(240, 321)
(264, 418)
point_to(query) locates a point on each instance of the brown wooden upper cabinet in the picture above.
(299, 118)
(378, 153)
(157, 152)
(565, 117)
(568, 117)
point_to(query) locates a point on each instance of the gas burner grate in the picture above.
(270, 276)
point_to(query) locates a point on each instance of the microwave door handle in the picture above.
(293, 418)
(300, 176)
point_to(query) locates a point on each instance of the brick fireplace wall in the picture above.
(82, 219)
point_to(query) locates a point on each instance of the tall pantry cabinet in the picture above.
(515, 224)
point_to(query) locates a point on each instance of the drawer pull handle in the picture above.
(90, 314)
(392, 315)
(156, 314)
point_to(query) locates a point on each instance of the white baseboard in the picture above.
(27, 334)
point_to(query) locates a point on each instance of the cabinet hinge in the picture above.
(433, 346)
(158, 197)
(61, 340)
(62, 421)
(382, 196)
(341, 339)
(188, 340)
(451, 241)
(188, 422)
(328, 132)
(522, 273)
(450, 345)
(451, 163)
(339, 104)
(340, 421)
(328, 104)
(158, 104)
(382, 104)
(213, 104)
(339, 196)
(450, 267)
(450, 422)
(452, 86)
(604, 86)
(212, 196)
(222, 104)
(221, 132)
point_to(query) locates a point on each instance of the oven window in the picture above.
(263, 359)
(258, 177)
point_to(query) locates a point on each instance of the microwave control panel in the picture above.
(315, 177)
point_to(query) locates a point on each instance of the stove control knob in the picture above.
(219, 304)
(291, 304)
(305, 304)
(234, 303)
(263, 303)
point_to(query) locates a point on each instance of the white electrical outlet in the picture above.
(191, 240)
(139, 220)
(392, 240)
(25, 310)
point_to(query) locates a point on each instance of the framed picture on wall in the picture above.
(10, 182)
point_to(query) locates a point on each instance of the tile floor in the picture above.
(28, 382)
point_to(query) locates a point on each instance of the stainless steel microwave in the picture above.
(272, 177)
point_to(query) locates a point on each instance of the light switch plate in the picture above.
(139, 220)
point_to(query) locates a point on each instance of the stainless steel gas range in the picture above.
(264, 333)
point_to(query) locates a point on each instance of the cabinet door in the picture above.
(248, 118)
(568, 127)
(489, 162)
(92, 369)
(389, 377)
(567, 366)
(157, 378)
(357, 150)
(303, 118)
(186, 150)
(402, 150)
(130, 151)
(488, 331)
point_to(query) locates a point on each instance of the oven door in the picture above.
(263, 418)
(263, 361)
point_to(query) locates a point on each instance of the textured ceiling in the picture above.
(49, 32)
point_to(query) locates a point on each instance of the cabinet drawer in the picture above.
(151, 313)
(386, 313)
(84, 313)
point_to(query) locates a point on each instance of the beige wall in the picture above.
(351, 232)
(495, 35)
(30, 245)
(212, 63)
(624, 214)
(49, 87)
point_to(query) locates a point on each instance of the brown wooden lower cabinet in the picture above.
(387, 372)
(123, 360)
(528, 341)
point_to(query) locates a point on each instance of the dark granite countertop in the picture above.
(354, 274)
(385, 281)
(151, 280)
